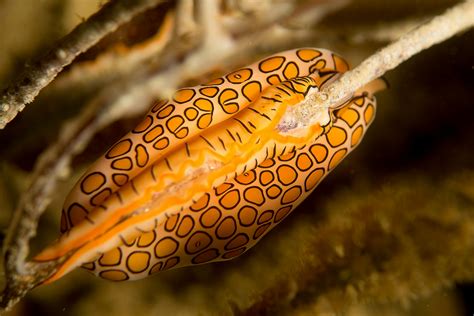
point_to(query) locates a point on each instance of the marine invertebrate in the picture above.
(206, 174)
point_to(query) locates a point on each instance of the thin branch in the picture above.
(52, 165)
(118, 62)
(208, 18)
(44, 70)
(186, 23)
(438, 29)
(311, 14)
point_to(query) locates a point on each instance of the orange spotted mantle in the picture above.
(207, 174)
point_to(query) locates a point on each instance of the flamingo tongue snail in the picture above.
(207, 173)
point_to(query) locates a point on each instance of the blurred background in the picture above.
(389, 232)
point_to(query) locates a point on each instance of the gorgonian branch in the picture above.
(41, 72)
(438, 29)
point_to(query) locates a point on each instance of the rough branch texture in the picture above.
(38, 75)
(22, 276)
(440, 28)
